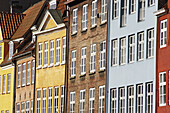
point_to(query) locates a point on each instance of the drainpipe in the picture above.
(14, 88)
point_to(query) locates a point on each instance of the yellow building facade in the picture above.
(50, 63)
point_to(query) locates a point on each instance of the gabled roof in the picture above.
(30, 19)
(9, 23)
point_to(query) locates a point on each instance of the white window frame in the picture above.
(92, 58)
(151, 2)
(11, 49)
(83, 60)
(74, 21)
(4, 84)
(18, 108)
(51, 52)
(84, 17)
(122, 51)
(9, 83)
(140, 98)
(140, 46)
(22, 107)
(113, 100)
(27, 106)
(39, 54)
(163, 33)
(103, 11)
(94, 13)
(132, 6)
(73, 63)
(57, 51)
(115, 9)
(91, 99)
(114, 52)
(56, 96)
(82, 101)
(102, 55)
(123, 13)
(50, 100)
(62, 99)
(150, 43)
(122, 100)
(32, 106)
(101, 98)
(23, 73)
(149, 97)
(72, 102)
(52, 4)
(162, 89)
(141, 10)
(19, 76)
(131, 99)
(38, 101)
(131, 48)
(64, 50)
(0, 51)
(45, 54)
(28, 72)
(33, 71)
(44, 96)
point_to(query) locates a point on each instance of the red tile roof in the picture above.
(9, 23)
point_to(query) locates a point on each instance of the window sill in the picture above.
(114, 65)
(8, 92)
(72, 77)
(162, 104)
(131, 62)
(92, 72)
(18, 86)
(114, 18)
(122, 64)
(141, 20)
(103, 23)
(82, 75)
(39, 67)
(131, 13)
(28, 84)
(45, 66)
(151, 5)
(62, 63)
(163, 46)
(93, 27)
(140, 60)
(57, 64)
(23, 85)
(150, 57)
(51, 65)
(75, 33)
(101, 70)
(84, 30)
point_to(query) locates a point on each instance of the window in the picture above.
(91, 100)
(114, 52)
(11, 49)
(102, 54)
(162, 88)
(103, 11)
(22, 107)
(82, 101)
(4, 84)
(56, 100)
(50, 100)
(141, 10)
(132, 6)
(140, 98)
(92, 57)
(44, 101)
(113, 100)
(53, 4)
(83, 60)
(2, 111)
(64, 50)
(62, 99)
(27, 106)
(74, 23)
(130, 99)
(151, 2)
(150, 43)
(23, 73)
(38, 100)
(28, 72)
(115, 9)
(163, 34)
(7, 111)
(33, 70)
(0, 84)
(122, 100)
(57, 51)
(0, 51)
(31, 106)
(94, 13)
(72, 102)
(122, 51)
(140, 46)
(123, 12)
(19, 76)
(46, 53)
(39, 54)
(84, 17)
(51, 52)
(18, 108)
(149, 97)
(73, 63)
(101, 99)
(131, 48)
(9, 83)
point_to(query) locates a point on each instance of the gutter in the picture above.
(14, 88)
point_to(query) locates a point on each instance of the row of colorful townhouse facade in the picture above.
(106, 56)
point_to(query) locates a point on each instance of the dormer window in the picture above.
(11, 49)
(52, 4)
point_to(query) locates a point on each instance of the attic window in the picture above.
(53, 4)
(11, 49)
